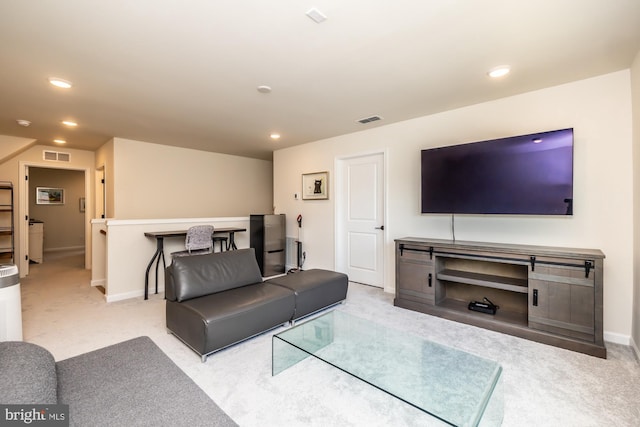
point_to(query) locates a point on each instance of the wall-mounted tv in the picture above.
(526, 175)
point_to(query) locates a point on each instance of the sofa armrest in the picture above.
(28, 374)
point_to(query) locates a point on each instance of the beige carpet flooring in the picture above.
(543, 385)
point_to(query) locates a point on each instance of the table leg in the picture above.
(232, 241)
(146, 275)
(164, 266)
(156, 257)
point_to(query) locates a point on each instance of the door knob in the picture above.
(380, 228)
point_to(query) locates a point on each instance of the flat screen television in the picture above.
(520, 175)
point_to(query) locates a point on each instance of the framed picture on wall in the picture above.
(49, 196)
(315, 186)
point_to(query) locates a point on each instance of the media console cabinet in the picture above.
(545, 294)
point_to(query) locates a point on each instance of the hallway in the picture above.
(62, 312)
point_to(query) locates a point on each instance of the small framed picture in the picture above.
(315, 186)
(49, 196)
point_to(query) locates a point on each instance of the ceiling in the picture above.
(186, 72)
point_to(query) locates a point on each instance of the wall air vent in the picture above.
(369, 119)
(56, 156)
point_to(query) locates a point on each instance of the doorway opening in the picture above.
(54, 215)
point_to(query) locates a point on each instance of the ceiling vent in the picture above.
(56, 156)
(369, 119)
(317, 16)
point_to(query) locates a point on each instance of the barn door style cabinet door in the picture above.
(562, 298)
(546, 294)
(415, 274)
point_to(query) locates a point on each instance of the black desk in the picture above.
(160, 236)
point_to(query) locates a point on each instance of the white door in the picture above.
(363, 216)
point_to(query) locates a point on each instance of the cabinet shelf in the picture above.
(487, 280)
(7, 221)
(502, 316)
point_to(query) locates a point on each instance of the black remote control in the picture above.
(483, 307)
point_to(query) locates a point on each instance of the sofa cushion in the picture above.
(28, 374)
(195, 276)
(314, 289)
(215, 321)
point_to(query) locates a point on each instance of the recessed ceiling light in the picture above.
(69, 123)
(275, 136)
(264, 89)
(22, 122)
(317, 16)
(59, 141)
(499, 71)
(65, 84)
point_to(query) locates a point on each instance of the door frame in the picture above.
(23, 208)
(340, 237)
(101, 192)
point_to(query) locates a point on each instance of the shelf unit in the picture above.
(546, 294)
(7, 247)
(486, 280)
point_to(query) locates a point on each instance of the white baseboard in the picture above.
(616, 338)
(99, 282)
(132, 294)
(289, 267)
(124, 295)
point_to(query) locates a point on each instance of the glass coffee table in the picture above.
(456, 387)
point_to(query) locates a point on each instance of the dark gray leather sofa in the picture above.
(219, 299)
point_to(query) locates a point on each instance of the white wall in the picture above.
(127, 251)
(152, 187)
(599, 110)
(635, 95)
(12, 145)
(160, 181)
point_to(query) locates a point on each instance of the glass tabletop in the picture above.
(456, 387)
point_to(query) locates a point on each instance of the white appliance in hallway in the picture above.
(36, 240)
(10, 304)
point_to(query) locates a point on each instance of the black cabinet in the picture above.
(267, 236)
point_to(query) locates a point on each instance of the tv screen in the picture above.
(527, 175)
